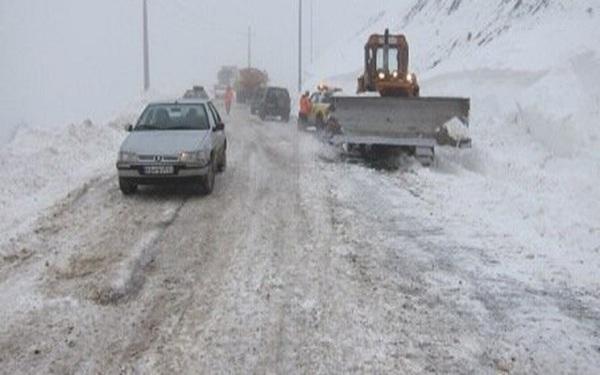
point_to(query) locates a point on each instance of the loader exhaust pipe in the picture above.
(386, 51)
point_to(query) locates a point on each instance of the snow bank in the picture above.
(41, 166)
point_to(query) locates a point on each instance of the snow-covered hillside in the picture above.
(532, 71)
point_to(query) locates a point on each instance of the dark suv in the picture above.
(256, 100)
(274, 102)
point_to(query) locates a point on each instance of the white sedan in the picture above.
(174, 142)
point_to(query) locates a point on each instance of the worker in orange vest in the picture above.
(229, 96)
(305, 108)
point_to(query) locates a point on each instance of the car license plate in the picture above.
(159, 170)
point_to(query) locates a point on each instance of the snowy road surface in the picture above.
(298, 263)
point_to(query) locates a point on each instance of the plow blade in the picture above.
(413, 122)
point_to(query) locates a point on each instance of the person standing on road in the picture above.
(305, 107)
(229, 97)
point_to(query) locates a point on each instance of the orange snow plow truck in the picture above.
(399, 117)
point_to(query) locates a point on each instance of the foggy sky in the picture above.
(67, 60)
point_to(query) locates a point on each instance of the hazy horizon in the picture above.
(68, 60)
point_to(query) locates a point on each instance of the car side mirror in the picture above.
(219, 127)
(128, 128)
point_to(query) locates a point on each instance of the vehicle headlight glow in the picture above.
(395, 74)
(409, 77)
(127, 157)
(194, 157)
(381, 75)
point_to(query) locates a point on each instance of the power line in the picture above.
(146, 47)
(312, 53)
(186, 20)
(299, 45)
(194, 17)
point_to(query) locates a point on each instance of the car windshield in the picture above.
(174, 117)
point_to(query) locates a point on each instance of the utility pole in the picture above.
(146, 53)
(300, 46)
(249, 47)
(312, 53)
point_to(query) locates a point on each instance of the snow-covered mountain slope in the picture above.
(532, 71)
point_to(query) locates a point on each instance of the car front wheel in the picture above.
(127, 187)
(223, 162)
(208, 181)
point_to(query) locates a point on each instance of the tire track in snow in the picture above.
(128, 278)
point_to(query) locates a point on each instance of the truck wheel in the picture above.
(208, 181)
(127, 187)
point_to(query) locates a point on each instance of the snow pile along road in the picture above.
(41, 166)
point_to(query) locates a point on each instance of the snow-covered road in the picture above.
(298, 263)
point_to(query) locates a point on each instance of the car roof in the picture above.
(181, 101)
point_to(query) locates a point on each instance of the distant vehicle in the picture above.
(219, 91)
(197, 92)
(174, 142)
(274, 102)
(321, 105)
(248, 82)
(256, 100)
(226, 76)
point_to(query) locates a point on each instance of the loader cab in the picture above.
(385, 56)
(386, 67)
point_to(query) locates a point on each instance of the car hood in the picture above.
(164, 142)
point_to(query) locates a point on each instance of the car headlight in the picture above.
(409, 77)
(395, 74)
(202, 157)
(381, 75)
(127, 157)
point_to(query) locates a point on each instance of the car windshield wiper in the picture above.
(185, 128)
(179, 128)
(147, 127)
